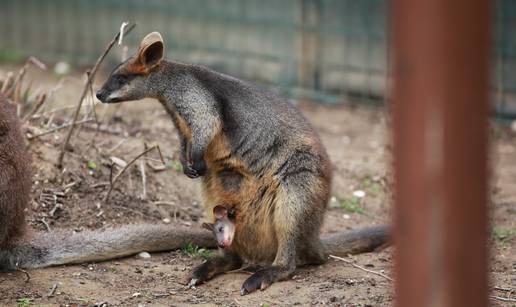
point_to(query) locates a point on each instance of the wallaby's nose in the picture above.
(100, 95)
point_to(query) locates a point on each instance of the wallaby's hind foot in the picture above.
(212, 267)
(264, 278)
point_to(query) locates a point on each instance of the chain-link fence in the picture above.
(324, 50)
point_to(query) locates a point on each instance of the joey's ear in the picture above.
(208, 226)
(220, 212)
(151, 50)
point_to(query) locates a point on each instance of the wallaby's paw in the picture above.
(193, 282)
(198, 276)
(199, 166)
(259, 280)
(190, 172)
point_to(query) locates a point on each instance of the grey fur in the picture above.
(56, 248)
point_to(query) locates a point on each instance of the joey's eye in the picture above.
(220, 229)
(232, 213)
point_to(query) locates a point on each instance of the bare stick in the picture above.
(7, 83)
(109, 151)
(144, 179)
(45, 223)
(503, 299)
(361, 268)
(40, 101)
(52, 291)
(59, 128)
(114, 180)
(89, 80)
(27, 276)
(171, 204)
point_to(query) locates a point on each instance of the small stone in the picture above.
(346, 216)
(166, 220)
(144, 255)
(334, 202)
(359, 193)
(136, 294)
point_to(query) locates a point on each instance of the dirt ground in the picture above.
(357, 140)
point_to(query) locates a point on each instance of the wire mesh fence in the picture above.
(325, 50)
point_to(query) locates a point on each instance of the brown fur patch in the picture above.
(15, 179)
(136, 67)
(183, 127)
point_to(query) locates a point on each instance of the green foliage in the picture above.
(352, 205)
(503, 235)
(11, 56)
(175, 165)
(24, 302)
(92, 165)
(194, 251)
(365, 183)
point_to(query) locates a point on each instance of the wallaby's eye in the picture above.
(120, 79)
(220, 229)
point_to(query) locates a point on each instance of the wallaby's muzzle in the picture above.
(101, 95)
(105, 97)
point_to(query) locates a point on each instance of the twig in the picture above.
(59, 128)
(89, 80)
(99, 185)
(361, 268)
(109, 151)
(52, 291)
(114, 180)
(24, 272)
(45, 223)
(503, 299)
(7, 83)
(39, 103)
(171, 204)
(144, 179)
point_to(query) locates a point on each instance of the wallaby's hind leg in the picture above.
(314, 252)
(285, 262)
(213, 266)
(298, 215)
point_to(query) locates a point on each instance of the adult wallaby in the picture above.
(19, 249)
(256, 152)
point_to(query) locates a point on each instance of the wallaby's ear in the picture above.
(220, 212)
(151, 50)
(208, 226)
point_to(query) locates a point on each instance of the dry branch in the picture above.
(144, 180)
(361, 268)
(114, 179)
(40, 101)
(91, 75)
(503, 299)
(30, 137)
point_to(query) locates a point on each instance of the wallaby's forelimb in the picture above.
(58, 248)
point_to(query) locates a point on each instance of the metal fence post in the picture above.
(440, 103)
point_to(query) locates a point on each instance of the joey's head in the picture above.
(131, 80)
(224, 226)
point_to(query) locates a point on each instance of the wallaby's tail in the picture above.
(357, 241)
(57, 248)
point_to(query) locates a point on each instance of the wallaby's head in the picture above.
(130, 80)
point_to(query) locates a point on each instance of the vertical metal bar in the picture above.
(440, 96)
